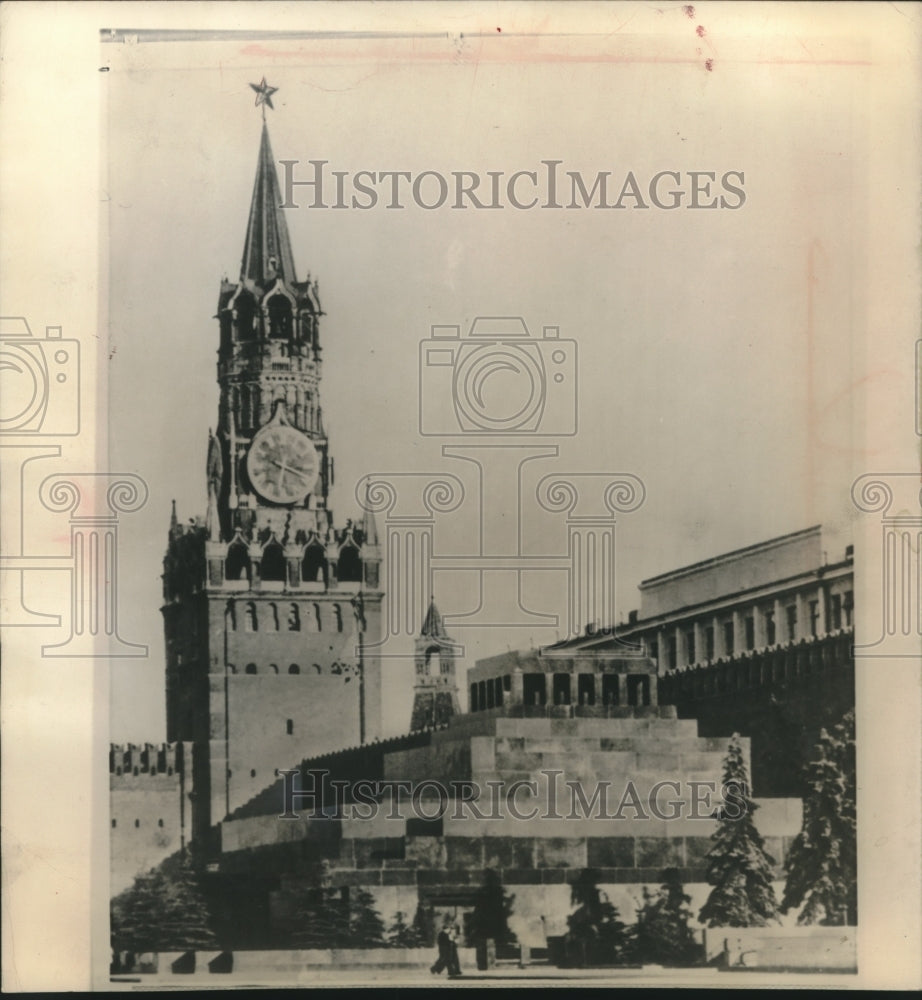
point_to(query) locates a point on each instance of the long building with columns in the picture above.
(770, 594)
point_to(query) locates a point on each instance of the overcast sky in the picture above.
(718, 350)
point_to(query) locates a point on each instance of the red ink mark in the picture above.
(709, 65)
(499, 30)
(699, 31)
(689, 10)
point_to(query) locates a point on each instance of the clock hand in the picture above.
(289, 468)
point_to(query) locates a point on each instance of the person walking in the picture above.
(454, 966)
(445, 951)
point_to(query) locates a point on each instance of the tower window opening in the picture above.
(272, 565)
(137, 823)
(114, 823)
(313, 566)
(349, 565)
(294, 618)
(249, 618)
(289, 726)
(237, 565)
(160, 823)
(244, 315)
(338, 617)
(294, 669)
(253, 772)
(251, 668)
(279, 317)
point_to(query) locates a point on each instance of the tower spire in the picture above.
(267, 250)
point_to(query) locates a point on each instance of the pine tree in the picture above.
(320, 915)
(661, 934)
(595, 935)
(489, 919)
(822, 864)
(164, 910)
(424, 924)
(737, 864)
(366, 928)
(404, 935)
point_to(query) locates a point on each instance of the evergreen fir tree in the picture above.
(366, 928)
(164, 910)
(822, 865)
(320, 917)
(404, 935)
(595, 935)
(738, 866)
(489, 919)
(661, 934)
(424, 924)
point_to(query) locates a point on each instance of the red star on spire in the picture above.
(264, 94)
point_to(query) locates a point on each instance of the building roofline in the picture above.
(728, 556)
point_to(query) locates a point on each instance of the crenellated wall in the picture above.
(150, 794)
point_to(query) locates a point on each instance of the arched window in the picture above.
(251, 668)
(226, 326)
(252, 772)
(244, 315)
(315, 609)
(272, 565)
(113, 824)
(338, 617)
(250, 623)
(160, 822)
(349, 565)
(294, 618)
(279, 317)
(230, 617)
(289, 726)
(314, 566)
(274, 667)
(274, 617)
(294, 669)
(237, 564)
(137, 823)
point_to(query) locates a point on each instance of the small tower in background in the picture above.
(435, 694)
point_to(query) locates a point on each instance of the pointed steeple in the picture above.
(267, 251)
(432, 625)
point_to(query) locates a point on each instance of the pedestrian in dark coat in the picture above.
(454, 967)
(445, 951)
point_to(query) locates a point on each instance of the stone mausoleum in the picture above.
(625, 788)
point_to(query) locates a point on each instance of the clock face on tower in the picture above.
(282, 464)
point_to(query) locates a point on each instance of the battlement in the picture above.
(135, 759)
